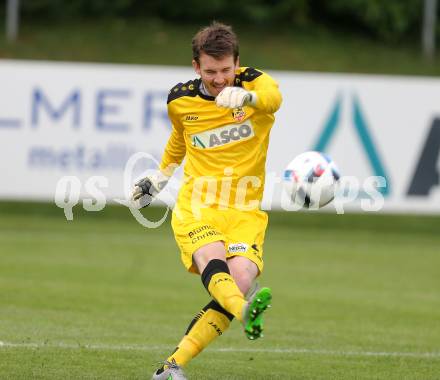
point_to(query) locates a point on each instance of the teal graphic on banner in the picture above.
(361, 127)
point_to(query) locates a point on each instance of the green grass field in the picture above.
(355, 297)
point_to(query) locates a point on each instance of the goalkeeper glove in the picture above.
(234, 97)
(149, 187)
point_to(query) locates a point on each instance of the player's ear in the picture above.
(196, 66)
(237, 62)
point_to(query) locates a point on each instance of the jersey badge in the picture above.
(238, 114)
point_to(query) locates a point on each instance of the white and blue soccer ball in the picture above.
(311, 180)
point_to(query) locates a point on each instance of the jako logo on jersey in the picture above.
(223, 135)
(238, 248)
(191, 117)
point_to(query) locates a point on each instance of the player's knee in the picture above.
(207, 253)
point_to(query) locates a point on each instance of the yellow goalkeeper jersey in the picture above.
(225, 148)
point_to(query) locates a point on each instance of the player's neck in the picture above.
(203, 89)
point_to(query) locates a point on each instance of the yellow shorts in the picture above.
(242, 232)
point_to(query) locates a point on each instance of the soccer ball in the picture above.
(310, 180)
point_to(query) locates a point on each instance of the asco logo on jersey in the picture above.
(223, 135)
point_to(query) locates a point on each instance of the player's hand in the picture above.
(146, 189)
(234, 97)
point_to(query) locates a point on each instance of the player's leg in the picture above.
(216, 277)
(244, 272)
(222, 286)
(213, 320)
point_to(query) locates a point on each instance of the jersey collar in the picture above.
(203, 92)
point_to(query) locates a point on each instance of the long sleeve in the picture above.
(175, 149)
(268, 94)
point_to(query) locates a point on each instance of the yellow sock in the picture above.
(225, 291)
(206, 326)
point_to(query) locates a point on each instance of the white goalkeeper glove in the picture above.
(234, 97)
(146, 189)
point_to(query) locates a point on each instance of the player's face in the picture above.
(216, 74)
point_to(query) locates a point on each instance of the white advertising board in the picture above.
(86, 120)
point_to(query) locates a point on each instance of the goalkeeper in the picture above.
(221, 124)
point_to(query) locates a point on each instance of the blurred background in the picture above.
(88, 292)
(368, 36)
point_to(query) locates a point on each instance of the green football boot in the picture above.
(253, 313)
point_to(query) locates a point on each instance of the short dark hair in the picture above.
(217, 40)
